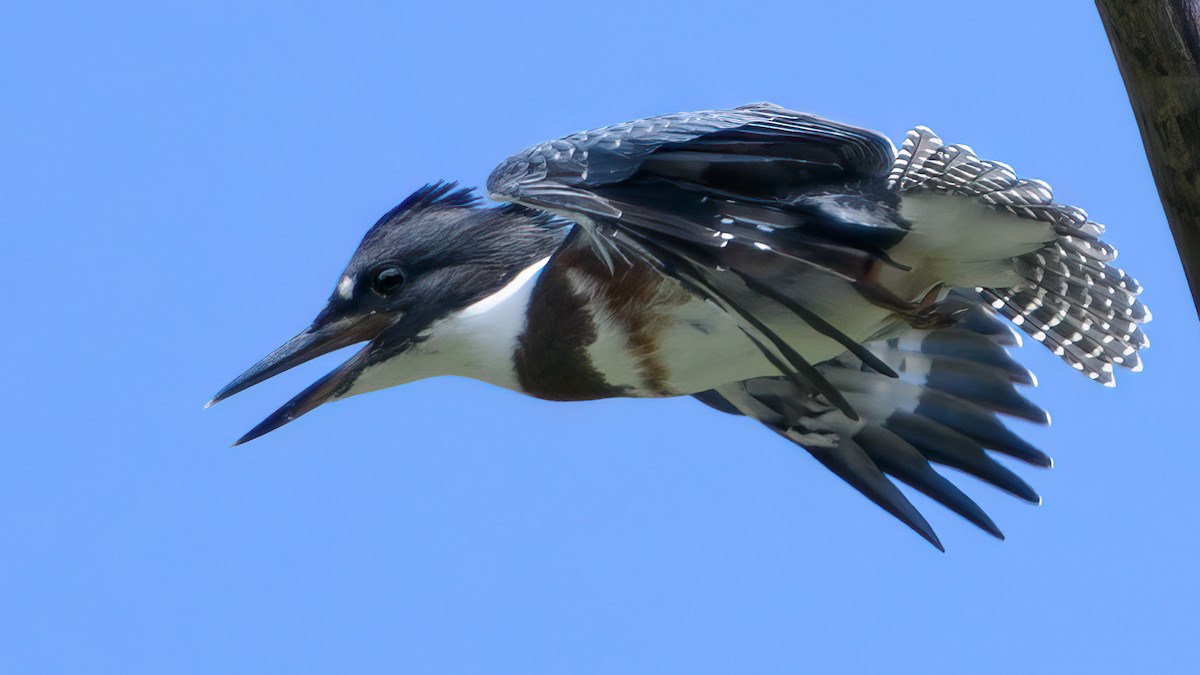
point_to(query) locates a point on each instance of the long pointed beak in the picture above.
(320, 392)
(389, 335)
(320, 338)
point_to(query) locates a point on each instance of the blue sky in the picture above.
(180, 185)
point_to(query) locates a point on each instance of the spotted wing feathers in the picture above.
(717, 178)
(761, 132)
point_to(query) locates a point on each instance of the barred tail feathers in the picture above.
(1064, 293)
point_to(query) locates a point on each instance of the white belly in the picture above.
(701, 347)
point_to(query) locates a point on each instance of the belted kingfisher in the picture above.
(771, 264)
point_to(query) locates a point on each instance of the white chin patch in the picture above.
(345, 288)
(477, 342)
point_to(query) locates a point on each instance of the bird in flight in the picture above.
(855, 299)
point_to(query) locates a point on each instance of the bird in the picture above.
(856, 299)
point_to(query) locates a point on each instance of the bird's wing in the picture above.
(692, 192)
(944, 409)
(713, 177)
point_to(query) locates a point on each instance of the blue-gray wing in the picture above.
(756, 132)
(707, 177)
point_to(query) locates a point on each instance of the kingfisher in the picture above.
(855, 299)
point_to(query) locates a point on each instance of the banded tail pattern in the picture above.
(1069, 297)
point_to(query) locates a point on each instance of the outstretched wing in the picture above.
(944, 409)
(694, 193)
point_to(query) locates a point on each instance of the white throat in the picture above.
(477, 342)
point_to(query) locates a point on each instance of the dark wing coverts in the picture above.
(756, 155)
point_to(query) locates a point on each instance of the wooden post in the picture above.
(1157, 47)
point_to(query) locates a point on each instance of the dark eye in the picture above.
(387, 280)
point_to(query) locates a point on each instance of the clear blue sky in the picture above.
(180, 185)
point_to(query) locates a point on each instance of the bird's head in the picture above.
(426, 260)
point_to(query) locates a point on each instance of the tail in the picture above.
(1064, 292)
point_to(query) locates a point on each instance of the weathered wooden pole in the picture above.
(1157, 46)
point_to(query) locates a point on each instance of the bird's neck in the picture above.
(479, 340)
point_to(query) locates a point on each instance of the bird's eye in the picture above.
(387, 280)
